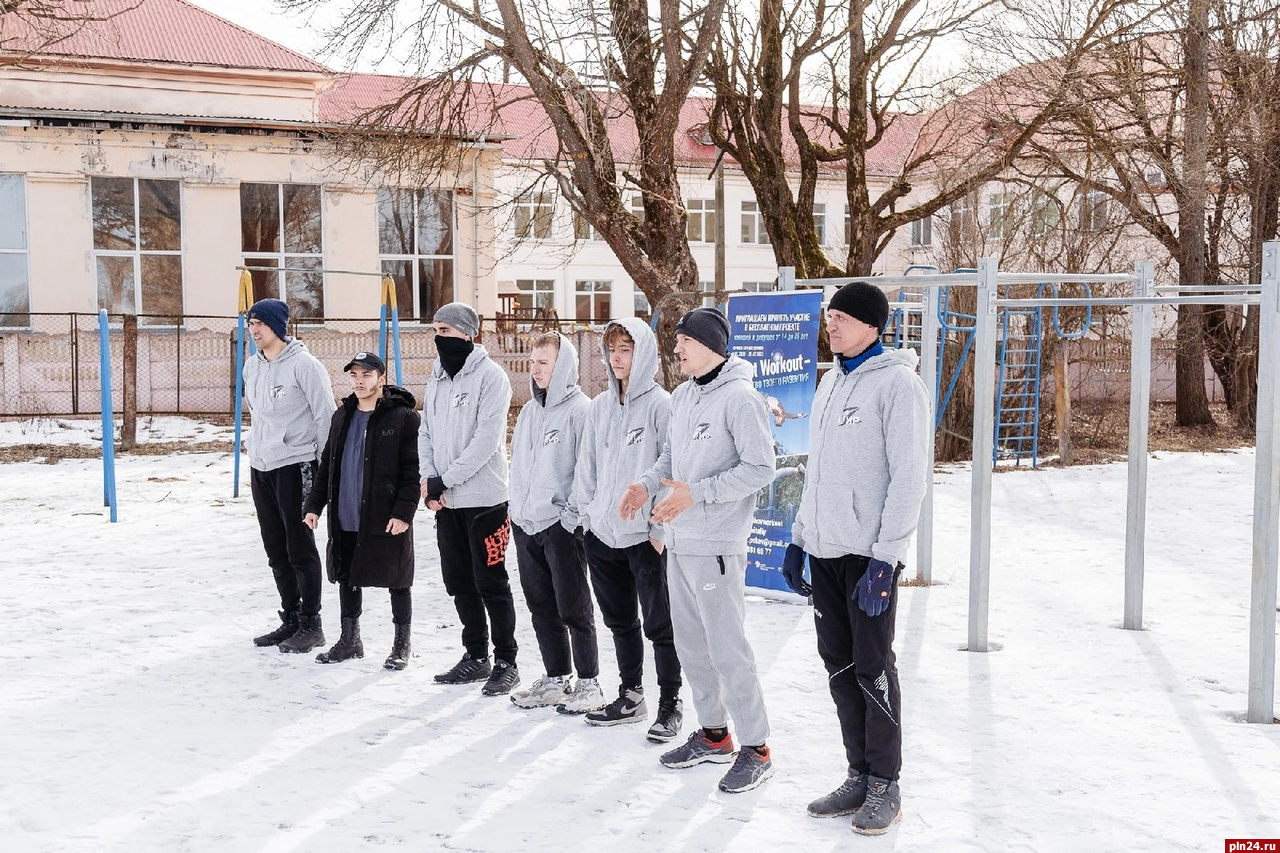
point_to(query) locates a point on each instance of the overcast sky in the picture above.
(265, 19)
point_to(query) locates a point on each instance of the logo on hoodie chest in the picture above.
(635, 436)
(551, 436)
(277, 391)
(462, 398)
(849, 416)
(702, 432)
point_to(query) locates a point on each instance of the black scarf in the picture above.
(454, 353)
(711, 374)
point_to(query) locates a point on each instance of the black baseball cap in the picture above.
(367, 360)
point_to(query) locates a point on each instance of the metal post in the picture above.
(108, 421)
(984, 397)
(1139, 417)
(786, 278)
(929, 327)
(239, 403)
(1266, 499)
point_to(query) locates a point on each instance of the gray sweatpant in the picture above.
(708, 614)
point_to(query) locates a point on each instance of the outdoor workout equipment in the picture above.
(108, 420)
(389, 306)
(244, 299)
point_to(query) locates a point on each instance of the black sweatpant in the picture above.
(857, 651)
(290, 545)
(624, 578)
(473, 547)
(553, 575)
(351, 598)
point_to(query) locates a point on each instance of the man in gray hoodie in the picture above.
(718, 455)
(867, 473)
(464, 481)
(291, 400)
(544, 518)
(625, 431)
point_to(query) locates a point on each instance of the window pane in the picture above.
(260, 218)
(13, 213)
(266, 283)
(162, 285)
(115, 284)
(395, 222)
(435, 223)
(302, 232)
(14, 293)
(113, 213)
(304, 291)
(748, 228)
(160, 216)
(435, 285)
(401, 273)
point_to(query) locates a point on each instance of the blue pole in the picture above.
(108, 420)
(382, 332)
(235, 486)
(395, 338)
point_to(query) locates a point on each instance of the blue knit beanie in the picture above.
(274, 313)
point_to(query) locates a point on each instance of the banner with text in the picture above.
(778, 334)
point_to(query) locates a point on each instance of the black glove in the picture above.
(435, 488)
(874, 588)
(793, 570)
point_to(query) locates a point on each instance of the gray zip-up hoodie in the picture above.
(621, 439)
(868, 461)
(292, 401)
(464, 430)
(720, 444)
(545, 447)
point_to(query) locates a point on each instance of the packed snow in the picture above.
(139, 716)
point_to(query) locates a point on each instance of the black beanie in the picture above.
(708, 327)
(863, 301)
(274, 313)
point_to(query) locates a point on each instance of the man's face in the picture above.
(696, 358)
(621, 352)
(261, 333)
(849, 336)
(542, 363)
(365, 383)
(444, 330)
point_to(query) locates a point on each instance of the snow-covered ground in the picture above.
(138, 716)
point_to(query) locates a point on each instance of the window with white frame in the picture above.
(1093, 211)
(281, 230)
(701, 226)
(753, 230)
(758, 286)
(1045, 215)
(848, 225)
(415, 247)
(922, 232)
(998, 215)
(533, 215)
(592, 299)
(640, 304)
(535, 293)
(137, 245)
(15, 289)
(820, 223)
(583, 229)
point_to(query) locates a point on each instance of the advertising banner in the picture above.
(778, 334)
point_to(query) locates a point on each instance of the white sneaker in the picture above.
(586, 696)
(546, 691)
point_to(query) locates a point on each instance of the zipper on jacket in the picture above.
(720, 560)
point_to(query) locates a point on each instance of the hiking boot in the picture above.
(308, 636)
(846, 799)
(586, 696)
(465, 671)
(504, 678)
(349, 644)
(881, 809)
(699, 749)
(629, 707)
(546, 691)
(288, 627)
(670, 718)
(748, 771)
(399, 657)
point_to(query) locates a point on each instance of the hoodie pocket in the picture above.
(836, 516)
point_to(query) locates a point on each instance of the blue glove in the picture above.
(793, 570)
(874, 588)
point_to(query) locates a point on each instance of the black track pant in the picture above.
(631, 586)
(351, 597)
(553, 575)
(290, 545)
(473, 547)
(857, 651)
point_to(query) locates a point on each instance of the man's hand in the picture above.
(673, 504)
(873, 588)
(432, 488)
(435, 505)
(632, 501)
(311, 520)
(395, 526)
(793, 570)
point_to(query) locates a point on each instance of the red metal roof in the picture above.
(170, 31)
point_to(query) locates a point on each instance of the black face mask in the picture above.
(453, 353)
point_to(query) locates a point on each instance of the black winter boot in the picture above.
(399, 657)
(349, 644)
(288, 627)
(308, 636)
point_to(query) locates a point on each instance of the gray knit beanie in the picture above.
(461, 316)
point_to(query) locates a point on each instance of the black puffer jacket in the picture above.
(390, 490)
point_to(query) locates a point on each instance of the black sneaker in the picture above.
(881, 809)
(748, 771)
(846, 799)
(465, 671)
(504, 678)
(629, 707)
(670, 718)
